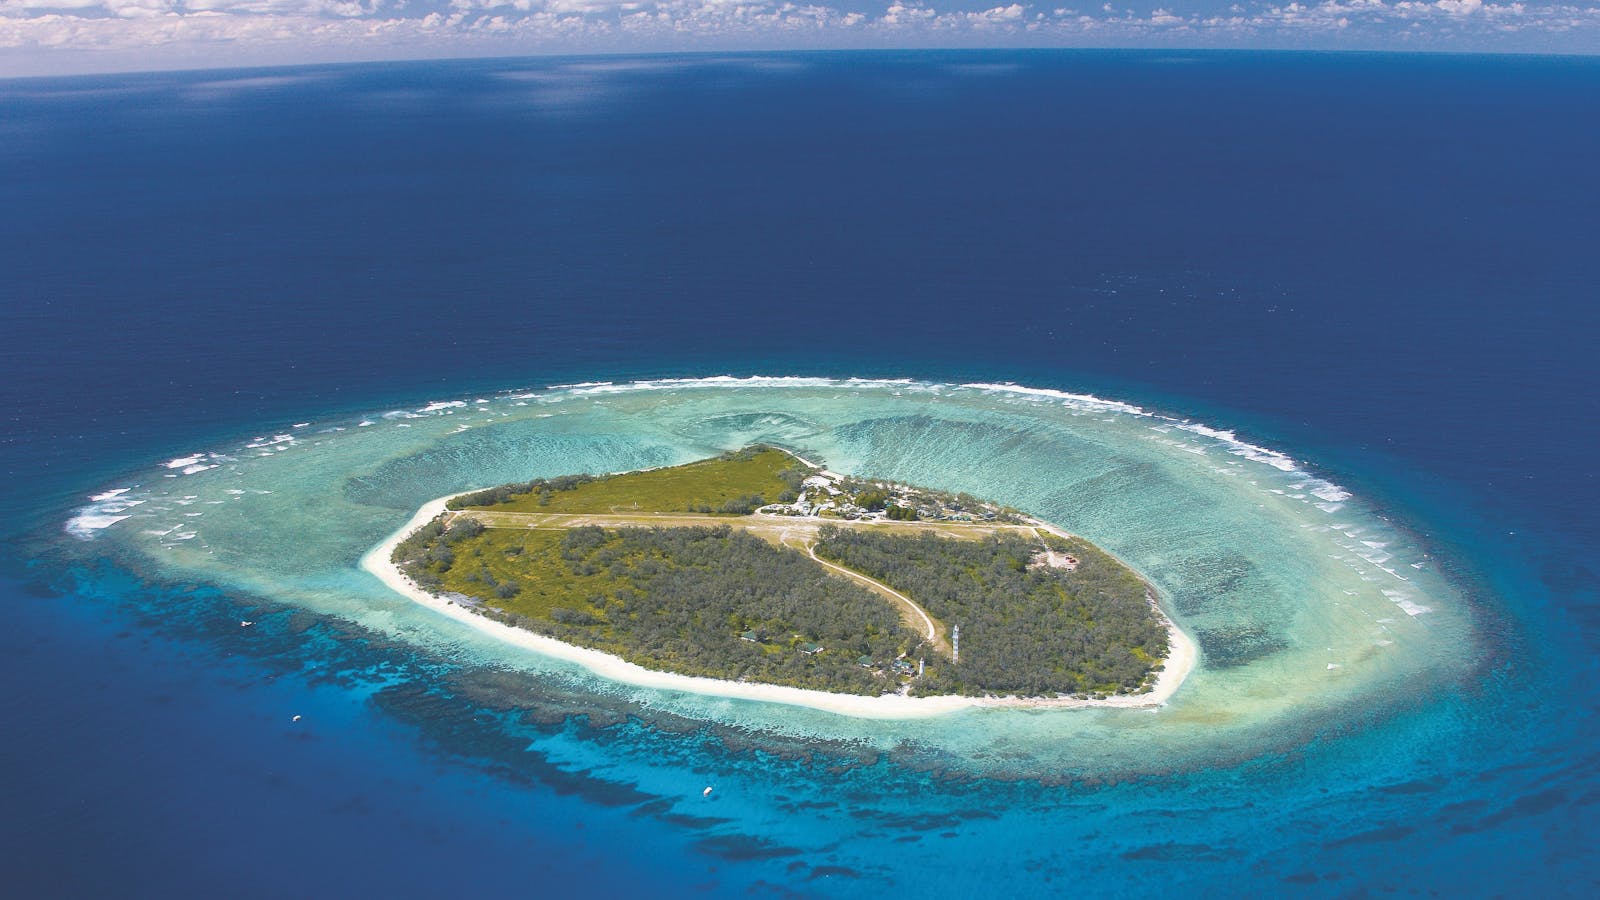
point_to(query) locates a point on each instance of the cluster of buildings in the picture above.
(823, 496)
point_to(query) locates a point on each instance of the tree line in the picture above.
(505, 493)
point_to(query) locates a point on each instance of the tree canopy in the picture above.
(1026, 629)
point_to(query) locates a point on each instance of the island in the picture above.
(757, 573)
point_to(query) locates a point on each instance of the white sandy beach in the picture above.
(1180, 659)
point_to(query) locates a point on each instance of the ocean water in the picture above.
(1311, 338)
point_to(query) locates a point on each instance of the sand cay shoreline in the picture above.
(1181, 657)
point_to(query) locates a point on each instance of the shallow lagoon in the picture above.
(1310, 608)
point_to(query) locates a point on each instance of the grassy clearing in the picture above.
(529, 560)
(704, 487)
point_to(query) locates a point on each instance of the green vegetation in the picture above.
(872, 499)
(732, 484)
(719, 601)
(1026, 629)
(702, 601)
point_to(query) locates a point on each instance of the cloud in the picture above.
(901, 14)
(277, 29)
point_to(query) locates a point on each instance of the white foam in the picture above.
(1076, 401)
(1403, 600)
(83, 525)
(107, 509)
(118, 504)
(588, 388)
(1245, 449)
(661, 384)
(438, 405)
(1330, 492)
(184, 461)
(1394, 573)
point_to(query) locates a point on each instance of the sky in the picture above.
(42, 37)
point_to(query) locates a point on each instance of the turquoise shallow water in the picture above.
(1309, 607)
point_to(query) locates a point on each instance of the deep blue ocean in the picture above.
(1386, 264)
